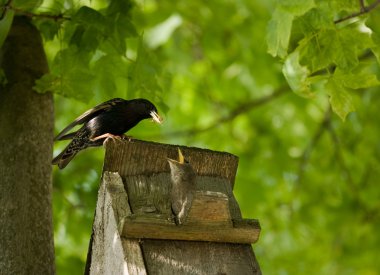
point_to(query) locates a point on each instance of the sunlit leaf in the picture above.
(297, 7)
(297, 75)
(357, 81)
(340, 98)
(278, 32)
(279, 27)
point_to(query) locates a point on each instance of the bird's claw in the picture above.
(129, 138)
(106, 136)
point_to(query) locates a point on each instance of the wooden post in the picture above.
(134, 231)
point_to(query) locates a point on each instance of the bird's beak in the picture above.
(181, 159)
(156, 117)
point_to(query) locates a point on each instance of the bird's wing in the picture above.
(88, 115)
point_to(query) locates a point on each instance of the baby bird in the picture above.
(183, 187)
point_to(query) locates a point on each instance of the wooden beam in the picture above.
(243, 231)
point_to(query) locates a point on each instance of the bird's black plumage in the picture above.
(111, 118)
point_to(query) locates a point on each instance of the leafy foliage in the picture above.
(89, 53)
(322, 46)
(309, 177)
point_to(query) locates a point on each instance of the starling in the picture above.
(109, 119)
(183, 187)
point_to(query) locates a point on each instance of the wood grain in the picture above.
(243, 232)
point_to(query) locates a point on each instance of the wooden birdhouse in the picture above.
(134, 231)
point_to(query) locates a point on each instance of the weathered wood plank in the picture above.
(203, 258)
(138, 157)
(110, 253)
(209, 207)
(245, 231)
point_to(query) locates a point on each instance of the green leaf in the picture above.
(376, 47)
(339, 47)
(49, 28)
(26, 4)
(278, 32)
(5, 25)
(361, 81)
(143, 74)
(70, 58)
(114, 42)
(47, 83)
(111, 75)
(313, 21)
(345, 56)
(90, 30)
(280, 26)
(86, 38)
(76, 84)
(70, 75)
(125, 27)
(347, 5)
(120, 7)
(89, 17)
(297, 75)
(340, 97)
(356, 81)
(297, 7)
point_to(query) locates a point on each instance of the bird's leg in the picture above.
(107, 135)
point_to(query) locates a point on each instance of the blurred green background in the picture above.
(308, 176)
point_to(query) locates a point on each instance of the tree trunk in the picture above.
(26, 135)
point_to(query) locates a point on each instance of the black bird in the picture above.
(109, 119)
(183, 187)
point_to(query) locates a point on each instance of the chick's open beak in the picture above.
(181, 158)
(156, 117)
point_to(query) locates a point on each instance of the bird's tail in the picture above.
(69, 152)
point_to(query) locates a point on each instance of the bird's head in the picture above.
(147, 109)
(155, 116)
(181, 159)
(181, 167)
(181, 170)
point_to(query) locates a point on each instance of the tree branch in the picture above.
(240, 109)
(363, 10)
(6, 7)
(41, 15)
(362, 5)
